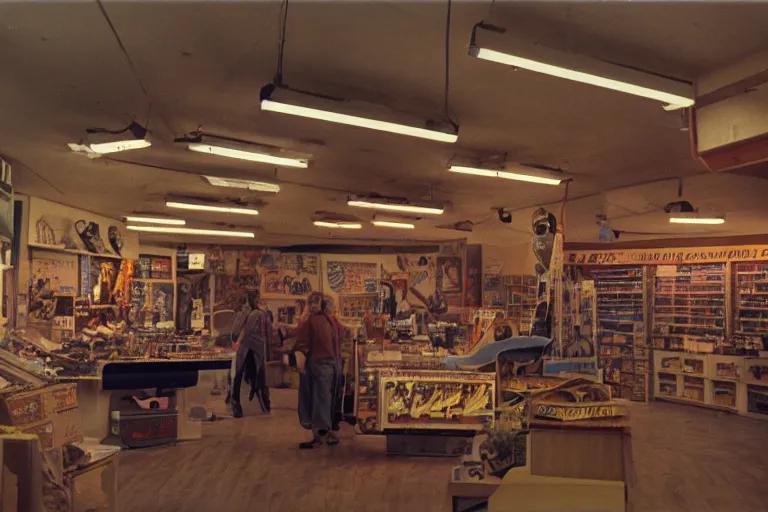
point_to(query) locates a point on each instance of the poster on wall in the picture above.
(449, 274)
(356, 306)
(50, 276)
(473, 289)
(352, 277)
(289, 276)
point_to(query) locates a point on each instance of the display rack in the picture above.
(622, 345)
(689, 308)
(522, 298)
(751, 298)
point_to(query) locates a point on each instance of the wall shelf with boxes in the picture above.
(689, 307)
(622, 345)
(731, 383)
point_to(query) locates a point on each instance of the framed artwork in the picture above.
(449, 274)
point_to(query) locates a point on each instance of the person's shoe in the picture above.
(237, 411)
(308, 445)
(332, 440)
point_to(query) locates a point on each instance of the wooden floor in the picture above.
(686, 459)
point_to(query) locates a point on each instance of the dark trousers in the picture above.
(254, 374)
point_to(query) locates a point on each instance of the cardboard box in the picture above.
(50, 412)
(34, 406)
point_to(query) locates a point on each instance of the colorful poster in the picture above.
(352, 276)
(289, 275)
(437, 400)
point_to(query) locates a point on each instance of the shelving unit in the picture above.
(622, 346)
(751, 298)
(689, 307)
(725, 383)
(522, 298)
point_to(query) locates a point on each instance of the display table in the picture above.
(104, 395)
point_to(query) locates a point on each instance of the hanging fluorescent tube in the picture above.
(339, 225)
(396, 225)
(211, 208)
(285, 101)
(120, 145)
(697, 220)
(383, 204)
(520, 173)
(191, 231)
(252, 156)
(256, 186)
(156, 220)
(540, 59)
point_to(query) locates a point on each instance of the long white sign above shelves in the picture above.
(672, 256)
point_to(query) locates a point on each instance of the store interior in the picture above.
(541, 226)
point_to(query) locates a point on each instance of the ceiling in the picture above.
(203, 63)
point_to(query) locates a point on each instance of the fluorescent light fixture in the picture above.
(396, 225)
(339, 225)
(256, 186)
(211, 208)
(156, 220)
(284, 101)
(191, 231)
(256, 155)
(384, 204)
(516, 172)
(120, 145)
(697, 220)
(540, 59)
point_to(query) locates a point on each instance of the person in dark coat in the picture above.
(250, 358)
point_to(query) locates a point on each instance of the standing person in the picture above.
(243, 309)
(319, 337)
(250, 357)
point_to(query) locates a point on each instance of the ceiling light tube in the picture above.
(284, 101)
(120, 145)
(540, 59)
(697, 220)
(389, 224)
(256, 186)
(252, 156)
(339, 225)
(516, 172)
(211, 208)
(383, 204)
(156, 220)
(191, 231)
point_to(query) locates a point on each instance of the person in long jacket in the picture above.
(250, 358)
(321, 386)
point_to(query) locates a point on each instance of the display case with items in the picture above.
(724, 393)
(621, 330)
(750, 298)
(689, 308)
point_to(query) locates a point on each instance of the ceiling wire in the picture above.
(447, 61)
(282, 23)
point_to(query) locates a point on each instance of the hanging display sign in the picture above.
(673, 256)
(197, 261)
